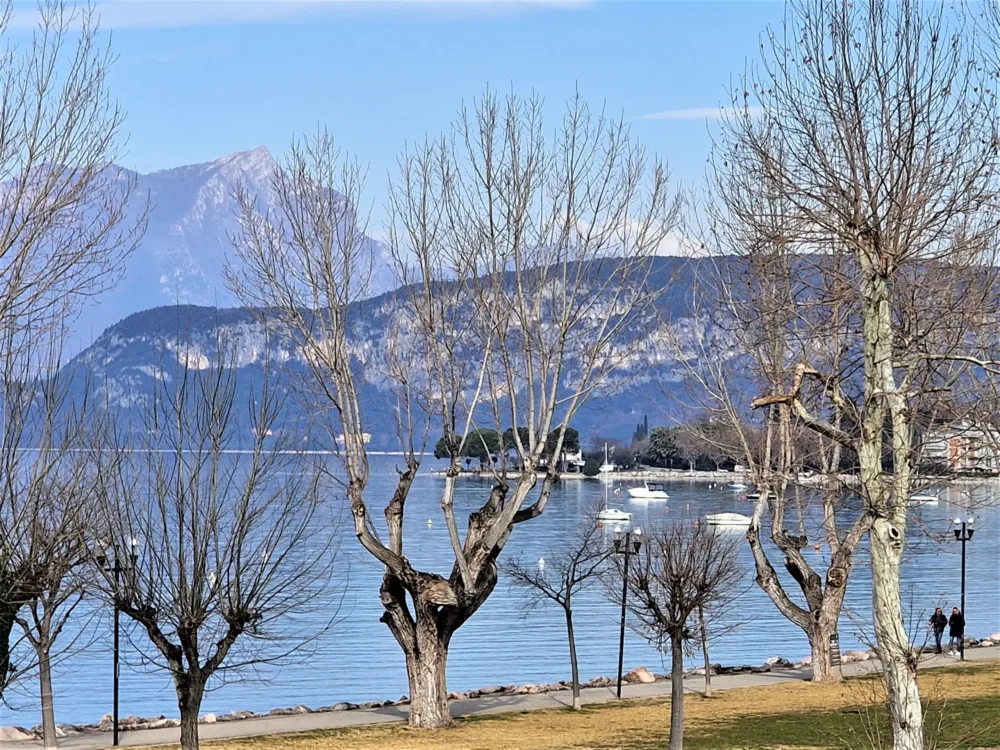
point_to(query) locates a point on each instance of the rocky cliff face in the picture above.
(130, 355)
(191, 217)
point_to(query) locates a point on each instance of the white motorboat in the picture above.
(728, 519)
(739, 486)
(614, 515)
(753, 496)
(924, 499)
(648, 491)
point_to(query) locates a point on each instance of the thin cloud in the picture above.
(139, 14)
(694, 113)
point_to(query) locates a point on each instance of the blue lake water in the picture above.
(358, 659)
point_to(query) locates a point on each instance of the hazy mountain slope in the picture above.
(191, 217)
(128, 356)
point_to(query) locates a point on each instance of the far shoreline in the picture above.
(679, 475)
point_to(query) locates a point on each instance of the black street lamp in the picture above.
(627, 544)
(116, 568)
(963, 534)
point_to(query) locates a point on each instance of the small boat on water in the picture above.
(648, 491)
(733, 520)
(752, 496)
(924, 499)
(739, 486)
(614, 515)
(608, 514)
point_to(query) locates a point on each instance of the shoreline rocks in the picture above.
(638, 675)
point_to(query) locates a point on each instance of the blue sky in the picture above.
(202, 79)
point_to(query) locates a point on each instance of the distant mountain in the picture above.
(192, 215)
(131, 354)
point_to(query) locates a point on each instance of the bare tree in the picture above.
(874, 130)
(767, 318)
(64, 236)
(60, 587)
(45, 501)
(566, 572)
(522, 261)
(684, 576)
(228, 535)
(63, 228)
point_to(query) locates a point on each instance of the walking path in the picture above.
(485, 705)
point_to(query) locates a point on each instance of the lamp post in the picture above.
(963, 533)
(627, 544)
(116, 569)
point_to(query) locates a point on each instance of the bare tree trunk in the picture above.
(886, 536)
(574, 666)
(822, 655)
(894, 651)
(426, 668)
(48, 708)
(676, 692)
(189, 698)
(704, 649)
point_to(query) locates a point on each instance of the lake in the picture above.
(358, 659)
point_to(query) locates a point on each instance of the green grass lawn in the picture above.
(969, 723)
(962, 712)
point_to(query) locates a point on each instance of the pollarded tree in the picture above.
(767, 307)
(874, 129)
(522, 262)
(228, 548)
(683, 579)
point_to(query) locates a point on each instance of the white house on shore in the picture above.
(963, 446)
(365, 436)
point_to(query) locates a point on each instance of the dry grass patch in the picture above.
(639, 724)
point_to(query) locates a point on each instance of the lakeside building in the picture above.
(963, 446)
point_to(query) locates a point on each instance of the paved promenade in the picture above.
(484, 705)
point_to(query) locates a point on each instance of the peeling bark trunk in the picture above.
(676, 692)
(45, 692)
(818, 618)
(888, 503)
(894, 649)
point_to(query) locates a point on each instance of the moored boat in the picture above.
(728, 519)
(614, 515)
(648, 491)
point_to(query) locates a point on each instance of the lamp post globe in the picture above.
(964, 528)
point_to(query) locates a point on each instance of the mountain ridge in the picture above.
(191, 216)
(131, 354)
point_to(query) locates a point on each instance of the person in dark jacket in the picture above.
(938, 622)
(956, 628)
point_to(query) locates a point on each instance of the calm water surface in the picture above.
(358, 659)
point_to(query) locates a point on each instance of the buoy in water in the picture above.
(430, 522)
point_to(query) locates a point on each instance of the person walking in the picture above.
(937, 623)
(956, 629)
